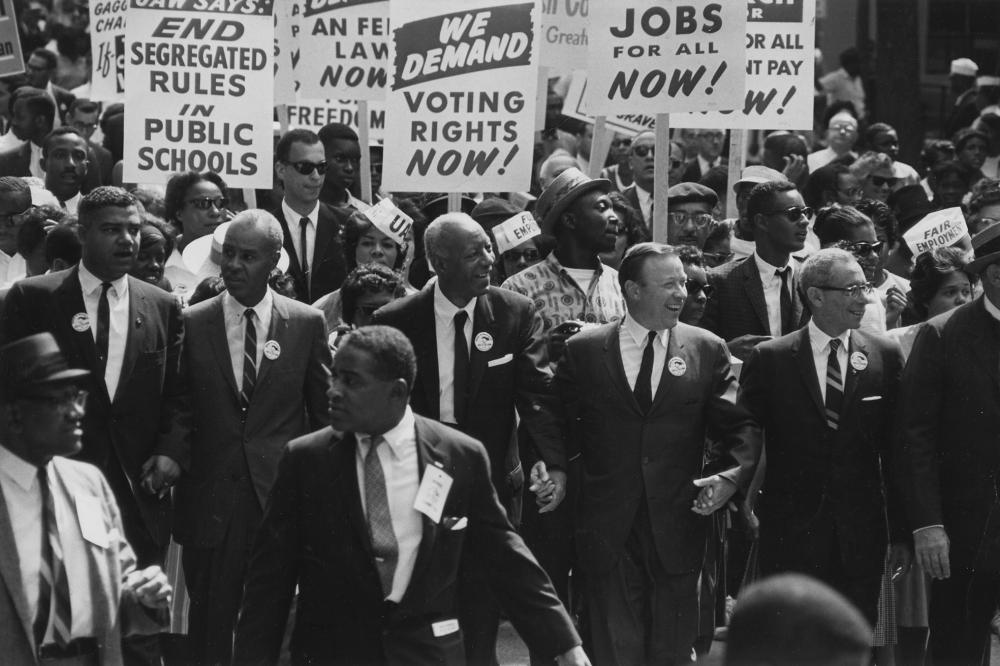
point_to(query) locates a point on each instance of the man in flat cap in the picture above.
(962, 84)
(689, 215)
(70, 583)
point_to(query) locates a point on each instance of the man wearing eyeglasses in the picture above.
(15, 200)
(756, 298)
(641, 158)
(689, 220)
(710, 145)
(343, 167)
(313, 230)
(825, 396)
(84, 116)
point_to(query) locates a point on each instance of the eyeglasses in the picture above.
(862, 248)
(206, 203)
(793, 213)
(693, 287)
(531, 254)
(643, 150)
(699, 220)
(719, 257)
(854, 290)
(340, 160)
(879, 181)
(75, 398)
(846, 128)
(306, 168)
(715, 136)
(621, 143)
(852, 192)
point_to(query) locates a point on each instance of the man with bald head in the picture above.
(254, 376)
(481, 354)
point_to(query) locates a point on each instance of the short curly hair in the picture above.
(393, 354)
(367, 279)
(177, 189)
(100, 198)
(930, 269)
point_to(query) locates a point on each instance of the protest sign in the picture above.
(391, 221)
(512, 232)
(665, 56)
(198, 86)
(286, 52)
(564, 37)
(780, 68)
(107, 44)
(938, 229)
(314, 114)
(11, 58)
(574, 106)
(460, 107)
(348, 43)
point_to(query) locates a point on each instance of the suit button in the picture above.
(645, 460)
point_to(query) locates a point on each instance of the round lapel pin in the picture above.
(859, 361)
(80, 322)
(272, 350)
(484, 342)
(676, 366)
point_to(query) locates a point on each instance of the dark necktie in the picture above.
(103, 328)
(53, 586)
(249, 360)
(787, 325)
(834, 387)
(461, 369)
(304, 259)
(384, 544)
(643, 390)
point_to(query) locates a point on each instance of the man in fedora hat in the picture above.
(71, 586)
(948, 462)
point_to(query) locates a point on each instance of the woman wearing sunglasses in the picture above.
(875, 174)
(195, 204)
(697, 286)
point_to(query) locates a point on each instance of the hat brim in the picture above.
(197, 258)
(979, 263)
(67, 376)
(549, 223)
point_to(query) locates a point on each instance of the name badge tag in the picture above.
(90, 514)
(433, 492)
(444, 628)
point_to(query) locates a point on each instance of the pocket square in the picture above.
(455, 523)
(506, 358)
(871, 398)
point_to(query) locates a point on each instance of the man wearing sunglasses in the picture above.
(756, 298)
(313, 230)
(825, 396)
(641, 157)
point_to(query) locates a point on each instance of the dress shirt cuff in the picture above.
(926, 527)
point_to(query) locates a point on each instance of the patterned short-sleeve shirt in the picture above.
(558, 298)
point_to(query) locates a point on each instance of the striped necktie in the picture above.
(249, 360)
(834, 386)
(383, 537)
(54, 609)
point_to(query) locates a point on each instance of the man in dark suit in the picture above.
(313, 231)
(372, 520)
(948, 461)
(476, 381)
(47, 500)
(825, 396)
(84, 116)
(643, 398)
(711, 143)
(756, 298)
(66, 164)
(239, 408)
(640, 193)
(40, 69)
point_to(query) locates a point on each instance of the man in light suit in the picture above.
(255, 376)
(313, 231)
(826, 396)
(69, 586)
(643, 397)
(372, 521)
(476, 382)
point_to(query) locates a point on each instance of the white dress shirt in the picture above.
(19, 482)
(9, 141)
(118, 328)
(820, 343)
(70, 205)
(633, 338)
(236, 329)
(444, 327)
(35, 164)
(772, 292)
(706, 166)
(401, 469)
(295, 231)
(12, 268)
(645, 204)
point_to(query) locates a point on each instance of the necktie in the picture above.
(834, 387)
(304, 259)
(249, 360)
(461, 369)
(103, 327)
(383, 537)
(643, 390)
(53, 587)
(787, 325)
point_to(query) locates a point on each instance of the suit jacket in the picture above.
(63, 99)
(948, 461)
(213, 442)
(630, 457)
(102, 162)
(738, 306)
(314, 535)
(632, 196)
(692, 172)
(135, 423)
(513, 373)
(114, 614)
(17, 162)
(328, 267)
(821, 481)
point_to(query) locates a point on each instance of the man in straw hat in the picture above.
(948, 462)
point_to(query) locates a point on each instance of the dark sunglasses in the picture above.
(880, 181)
(793, 213)
(530, 254)
(306, 168)
(862, 248)
(693, 287)
(644, 150)
(206, 203)
(719, 257)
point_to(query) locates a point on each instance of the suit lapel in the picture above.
(615, 368)
(802, 351)
(135, 330)
(326, 231)
(220, 344)
(70, 299)
(983, 334)
(428, 453)
(278, 332)
(856, 346)
(800, 316)
(482, 322)
(675, 345)
(755, 291)
(10, 572)
(345, 482)
(426, 347)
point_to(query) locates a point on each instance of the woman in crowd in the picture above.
(698, 288)
(156, 243)
(195, 204)
(950, 182)
(631, 230)
(875, 175)
(367, 288)
(971, 148)
(984, 206)
(891, 288)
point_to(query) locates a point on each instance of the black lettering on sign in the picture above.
(775, 11)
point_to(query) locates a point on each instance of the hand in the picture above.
(150, 587)
(895, 301)
(715, 494)
(931, 546)
(742, 346)
(900, 559)
(549, 487)
(573, 657)
(795, 167)
(158, 474)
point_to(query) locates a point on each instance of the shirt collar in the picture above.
(641, 194)
(639, 333)
(445, 309)
(991, 308)
(90, 283)
(292, 216)
(398, 437)
(235, 309)
(766, 270)
(559, 269)
(819, 340)
(22, 472)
